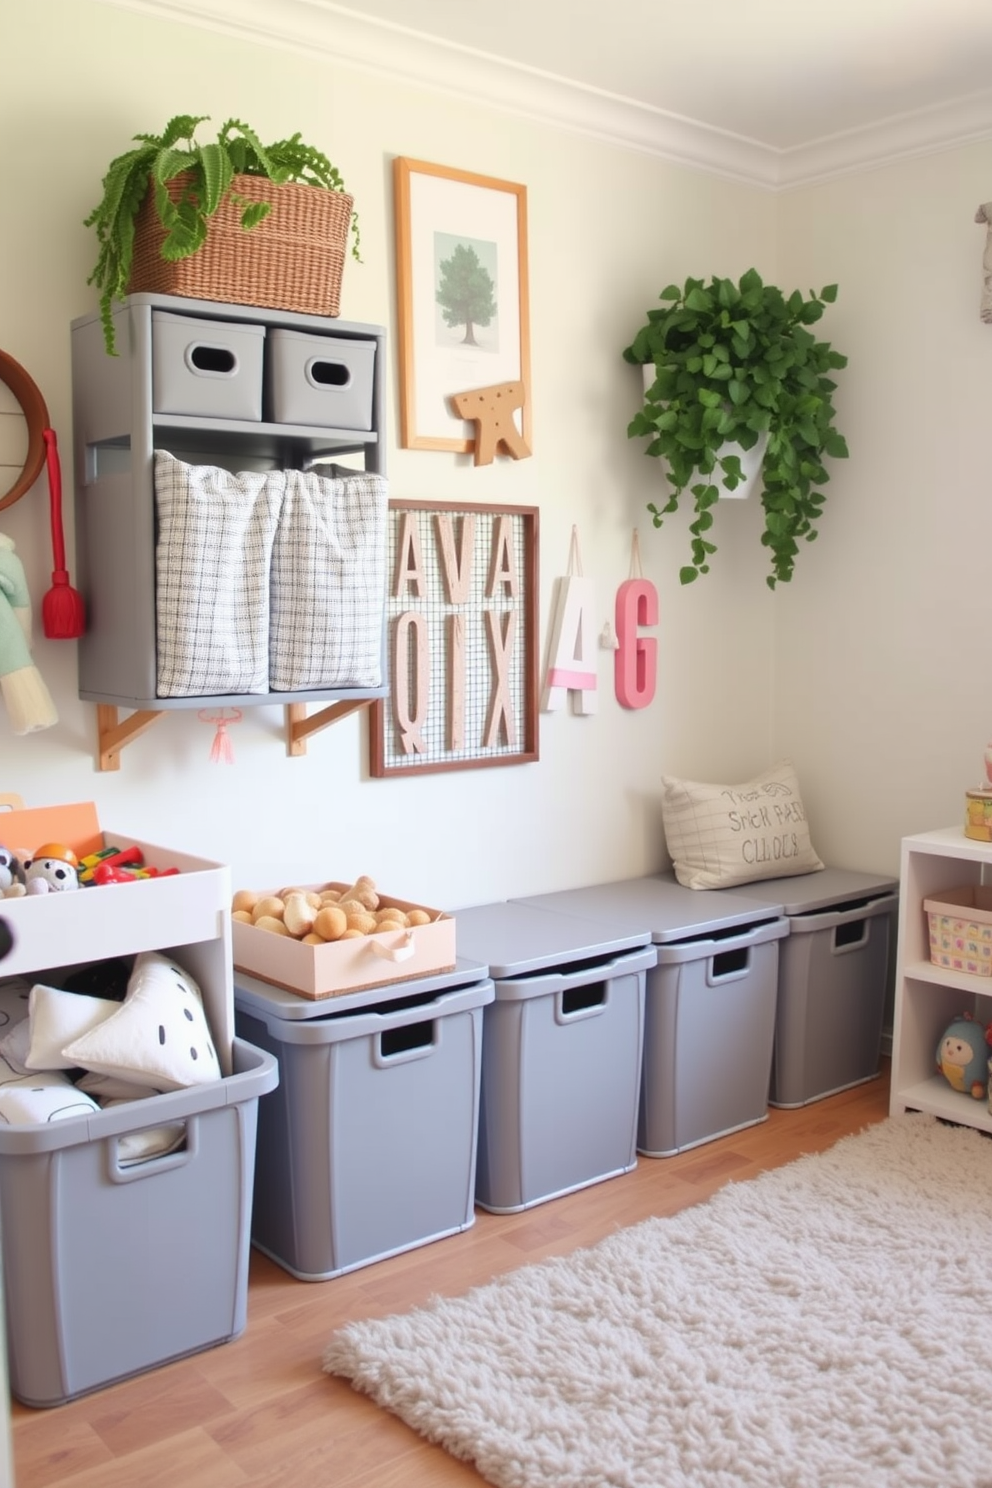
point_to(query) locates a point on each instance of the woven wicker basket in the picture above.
(293, 260)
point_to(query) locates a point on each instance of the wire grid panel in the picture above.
(462, 639)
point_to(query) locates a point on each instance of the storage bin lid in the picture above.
(808, 892)
(254, 996)
(516, 938)
(660, 906)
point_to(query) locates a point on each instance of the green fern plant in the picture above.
(733, 362)
(208, 171)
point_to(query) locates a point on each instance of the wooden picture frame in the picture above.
(462, 639)
(448, 223)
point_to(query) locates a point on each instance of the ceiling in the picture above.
(781, 73)
(775, 92)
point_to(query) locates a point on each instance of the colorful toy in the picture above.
(116, 856)
(963, 1055)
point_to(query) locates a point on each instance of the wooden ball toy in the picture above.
(270, 923)
(331, 922)
(270, 907)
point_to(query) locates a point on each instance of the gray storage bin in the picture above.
(833, 980)
(709, 1017)
(207, 368)
(112, 1270)
(561, 1052)
(321, 380)
(368, 1146)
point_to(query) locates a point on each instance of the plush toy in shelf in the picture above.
(963, 1055)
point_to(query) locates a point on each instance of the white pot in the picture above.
(751, 460)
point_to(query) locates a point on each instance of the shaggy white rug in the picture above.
(826, 1325)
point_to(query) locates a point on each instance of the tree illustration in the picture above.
(466, 292)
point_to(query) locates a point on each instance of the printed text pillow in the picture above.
(722, 835)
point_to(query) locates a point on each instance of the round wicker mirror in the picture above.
(32, 405)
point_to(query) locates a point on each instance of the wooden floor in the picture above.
(260, 1410)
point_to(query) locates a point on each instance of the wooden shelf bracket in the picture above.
(299, 726)
(115, 735)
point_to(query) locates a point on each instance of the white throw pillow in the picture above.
(37, 1099)
(15, 1044)
(722, 835)
(8, 1073)
(158, 1035)
(57, 1018)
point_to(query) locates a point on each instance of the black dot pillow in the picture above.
(159, 1035)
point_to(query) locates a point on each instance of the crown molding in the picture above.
(401, 55)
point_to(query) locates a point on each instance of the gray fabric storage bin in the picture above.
(111, 1270)
(833, 980)
(206, 368)
(709, 1018)
(368, 1146)
(321, 380)
(561, 1052)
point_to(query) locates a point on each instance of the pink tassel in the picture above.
(221, 750)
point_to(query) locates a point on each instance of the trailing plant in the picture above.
(733, 362)
(207, 172)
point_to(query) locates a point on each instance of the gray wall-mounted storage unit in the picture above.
(192, 378)
(561, 1052)
(368, 1146)
(710, 1003)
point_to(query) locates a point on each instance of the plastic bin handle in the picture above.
(151, 1167)
(401, 952)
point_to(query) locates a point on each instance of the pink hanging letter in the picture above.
(636, 657)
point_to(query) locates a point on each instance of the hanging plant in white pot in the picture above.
(732, 364)
(731, 483)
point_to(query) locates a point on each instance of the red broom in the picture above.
(62, 613)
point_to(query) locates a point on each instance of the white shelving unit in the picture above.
(927, 996)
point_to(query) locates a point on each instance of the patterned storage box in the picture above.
(961, 929)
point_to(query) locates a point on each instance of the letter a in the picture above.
(571, 669)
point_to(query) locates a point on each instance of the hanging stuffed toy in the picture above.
(28, 701)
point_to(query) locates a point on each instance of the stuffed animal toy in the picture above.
(963, 1055)
(11, 875)
(52, 870)
(28, 701)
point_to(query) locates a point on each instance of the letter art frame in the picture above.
(450, 222)
(462, 639)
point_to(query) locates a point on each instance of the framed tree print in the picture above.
(462, 297)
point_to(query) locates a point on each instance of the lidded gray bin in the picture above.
(322, 380)
(206, 368)
(110, 1269)
(709, 1017)
(833, 980)
(561, 1053)
(368, 1146)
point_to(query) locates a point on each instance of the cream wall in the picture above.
(607, 229)
(884, 684)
